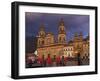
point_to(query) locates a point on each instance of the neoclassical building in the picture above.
(47, 43)
(77, 45)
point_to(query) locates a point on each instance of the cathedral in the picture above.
(48, 44)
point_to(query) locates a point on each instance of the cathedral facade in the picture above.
(48, 44)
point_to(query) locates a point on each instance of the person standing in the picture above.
(54, 60)
(63, 61)
(58, 60)
(49, 61)
(43, 61)
(78, 59)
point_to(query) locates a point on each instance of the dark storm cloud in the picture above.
(73, 23)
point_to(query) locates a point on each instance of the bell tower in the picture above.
(42, 31)
(41, 36)
(61, 32)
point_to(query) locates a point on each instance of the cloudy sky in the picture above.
(73, 23)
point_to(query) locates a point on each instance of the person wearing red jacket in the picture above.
(48, 60)
(58, 60)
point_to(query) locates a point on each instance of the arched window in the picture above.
(59, 38)
(39, 42)
(42, 42)
(63, 38)
(68, 54)
(48, 41)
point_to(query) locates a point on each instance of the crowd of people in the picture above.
(55, 61)
(43, 62)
